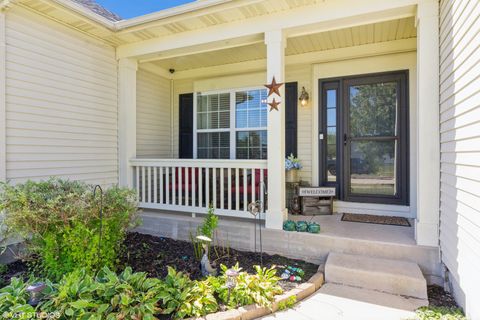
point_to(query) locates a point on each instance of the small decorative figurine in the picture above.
(205, 266)
(296, 205)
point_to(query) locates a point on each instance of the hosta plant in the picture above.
(259, 288)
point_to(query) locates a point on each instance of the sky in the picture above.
(134, 8)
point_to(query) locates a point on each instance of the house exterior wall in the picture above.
(460, 149)
(153, 116)
(61, 102)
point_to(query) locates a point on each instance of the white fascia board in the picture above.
(168, 13)
(337, 13)
(87, 13)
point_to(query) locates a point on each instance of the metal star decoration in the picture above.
(273, 87)
(274, 104)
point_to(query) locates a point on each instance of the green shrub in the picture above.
(14, 297)
(60, 222)
(287, 303)
(207, 228)
(107, 296)
(440, 313)
(259, 288)
(183, 297)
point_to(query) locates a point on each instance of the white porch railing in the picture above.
(192, 185)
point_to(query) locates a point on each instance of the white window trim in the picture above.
(233, 128)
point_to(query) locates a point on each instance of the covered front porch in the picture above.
(196, 130)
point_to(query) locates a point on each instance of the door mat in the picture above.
(368, 218)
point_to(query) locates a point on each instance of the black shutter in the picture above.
(291, 105)
(186, 126)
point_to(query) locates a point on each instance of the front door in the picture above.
(364, 137)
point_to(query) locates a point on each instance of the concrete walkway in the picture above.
(324, 305)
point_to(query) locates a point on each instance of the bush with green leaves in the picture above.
(128, 295)
(259, 288)
(107, 296)
(207, 229)
(439, 313)
(60, 222)
(183, 297)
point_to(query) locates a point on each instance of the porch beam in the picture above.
(277, 213)
(127, 119)
(153, 68)
(361, 51)
(428, 114)
(205, 47)
(338, 14)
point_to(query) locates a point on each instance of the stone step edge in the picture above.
(254, 311)
(380, 271)
(375, 290)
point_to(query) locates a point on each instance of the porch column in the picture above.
(276, 214)
(428, 132)
(3, 145)
(127, 119)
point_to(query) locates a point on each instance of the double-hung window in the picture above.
(231, 125)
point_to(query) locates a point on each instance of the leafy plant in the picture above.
(207, 229)
(14, 297)
(3, 269)
(183, 297)
(439, 313)
(259, 288)
(107, 296)
(60, 222)
(287, 303)
(210, 223)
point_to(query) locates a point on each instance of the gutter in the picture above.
(168, 13)
(87, 13)
(155, 16)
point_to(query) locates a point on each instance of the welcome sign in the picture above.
(316, 192)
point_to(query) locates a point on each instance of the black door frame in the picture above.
(342, 184)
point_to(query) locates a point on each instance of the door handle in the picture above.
(345, 138)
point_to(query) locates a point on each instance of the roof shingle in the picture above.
(98, 9)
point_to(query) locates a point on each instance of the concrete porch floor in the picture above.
(332, 225)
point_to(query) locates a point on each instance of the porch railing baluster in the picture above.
(192, 185)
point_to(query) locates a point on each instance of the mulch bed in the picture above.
(437, 297)
(153, 254)
(369, 218)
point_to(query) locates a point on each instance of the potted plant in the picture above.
(292, 165)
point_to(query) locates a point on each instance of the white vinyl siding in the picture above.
(460, 148)
(61, 102)
(153, 116)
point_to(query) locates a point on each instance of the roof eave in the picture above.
(168, 13)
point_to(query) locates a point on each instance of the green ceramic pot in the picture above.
(289, 225)
(302, 226)
(314, 227)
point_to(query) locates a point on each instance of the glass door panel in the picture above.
(372, 167)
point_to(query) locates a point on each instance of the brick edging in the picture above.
(254, 311)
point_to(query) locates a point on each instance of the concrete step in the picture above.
(372, 297)
(396, 277)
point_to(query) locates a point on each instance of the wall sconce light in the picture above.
(304, 97)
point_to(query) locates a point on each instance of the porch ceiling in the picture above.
(342, 38)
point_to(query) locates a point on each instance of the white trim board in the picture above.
(373, 209)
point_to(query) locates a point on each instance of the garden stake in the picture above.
(101, 221)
